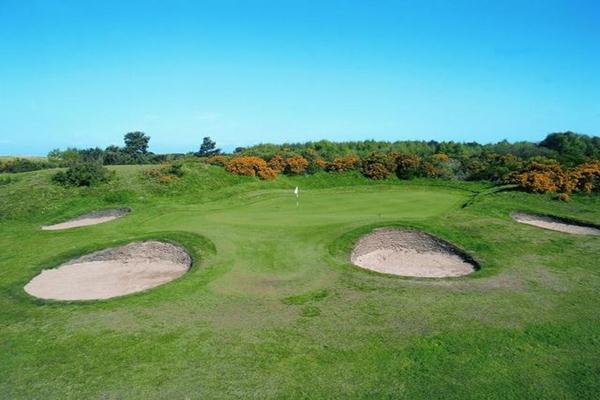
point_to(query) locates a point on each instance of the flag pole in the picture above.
(297, 199)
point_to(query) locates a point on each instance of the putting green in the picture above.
(273, 309)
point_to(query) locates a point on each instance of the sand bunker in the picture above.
(96, 217)
(112, 272)
(410, 253)
(554, 224)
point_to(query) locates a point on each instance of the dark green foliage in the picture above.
(136, 143)
(5, 180)
(208, 148)
(175, 169)
(83, 174)
(571, 148)
(24, 165)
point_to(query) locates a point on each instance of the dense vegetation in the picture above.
(272, 309)
(562, 163)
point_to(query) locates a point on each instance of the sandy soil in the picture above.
(94, 218)
(554, 224)
(409, 253)
(112, 272)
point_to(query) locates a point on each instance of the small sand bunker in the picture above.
(554, 224)
(112, 272)
(94, 218)
(410, 253)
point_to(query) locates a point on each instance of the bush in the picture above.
(587, 177)
(563, 197)
(5, 180)
(218, 160)
(345, 163)
(24, 165)
(277, 164)
(407, 166)
(295, 165)
(83, 174)
(250, 166)
(542, 177)
(315, 162)
(165, 174)
(378, 165)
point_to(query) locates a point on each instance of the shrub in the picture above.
(407, 166)
(542, 177)
(277, 164)
(345, 163)
(378, 166)
(295, 165)
(315, 162)
(250, 166)
(5, 180)
(218, 160)
(24, 165)
(492, 167)
(174, 169)
(587, 177)
(165, 174)
(83, 174)
(563, 197)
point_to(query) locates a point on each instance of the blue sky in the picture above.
(83, 73)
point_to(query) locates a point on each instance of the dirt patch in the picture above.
(555, 224)
(410, 253)
(112, 272)
(94, 218)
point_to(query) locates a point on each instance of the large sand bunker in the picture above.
(410, 253)
(555, 224)
(96, 217)
(112, 272)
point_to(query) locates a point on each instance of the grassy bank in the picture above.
(273, 309)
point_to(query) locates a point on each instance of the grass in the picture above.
(273, 309)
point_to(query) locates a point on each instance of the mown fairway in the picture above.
(272, 309)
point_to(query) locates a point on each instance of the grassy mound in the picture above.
(274, 309)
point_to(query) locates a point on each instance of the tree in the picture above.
(136, 143)
(571, 147)
(208, 148)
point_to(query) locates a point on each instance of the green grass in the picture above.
(273, 309)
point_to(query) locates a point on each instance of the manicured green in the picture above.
(272, 309)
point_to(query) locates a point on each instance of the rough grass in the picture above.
(272, 308)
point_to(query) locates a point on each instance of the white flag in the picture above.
(296, 191)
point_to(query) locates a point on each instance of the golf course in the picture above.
(272, 306)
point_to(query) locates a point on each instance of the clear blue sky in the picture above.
(83, 73)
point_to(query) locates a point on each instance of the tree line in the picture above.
(562, 162)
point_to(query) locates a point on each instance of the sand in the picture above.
(94, 218)
(112, 272)
(554, 224)
(410, 253)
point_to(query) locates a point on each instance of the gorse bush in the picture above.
(378, 165)
(550, 176)
(345, 163)
(250, 166)
(165, 174)
(408, 166)
(220, 160)
(296, 165)
(277, 164)
(83, 174)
